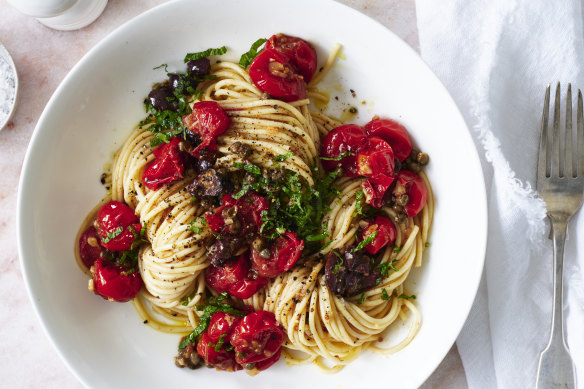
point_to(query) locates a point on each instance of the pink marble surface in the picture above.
(43, 57)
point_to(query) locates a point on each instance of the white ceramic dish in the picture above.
(106, 344)
(8, 87)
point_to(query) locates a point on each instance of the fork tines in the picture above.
(563, 148)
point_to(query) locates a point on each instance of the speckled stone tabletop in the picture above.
(43, 57)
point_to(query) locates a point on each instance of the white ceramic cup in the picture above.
(61, 14)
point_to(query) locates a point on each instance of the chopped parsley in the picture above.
(203, 54)
(385, 296)
(384, 267)
(283, 157)
(338, 157)
(215, 304)
(112, 235)
(362, 298)
(358, 204)
(365, 242)
(397, 249)
(338, 265)
(201, 223)
(247, 58)
(406, 297)
(187, 299)
(294, 205)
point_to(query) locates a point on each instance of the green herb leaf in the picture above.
(362, 298)
(385, 266)
(283, 157)
(114, 234)
(365, 242)
(248, 167)
(385, 296)
(203, 54)
(220, 343)
(337, 158)
(214, 304)
(358, 204)
(406, 297)
(338, 265)
(397, 249)
(247, 58)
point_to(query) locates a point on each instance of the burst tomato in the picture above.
(221, 324)
(256, 338)
(416, 191)
(208, 120)
(89, 248)
(272, 72)
(117, 226)
(344, 140)
(375, 188)
(168, 166)
(235, 278)
(247, 209)
(220, 359)
(375, 158)
(393, 133)
(284, 253)
(386, 234)
(300, 53)
(113, 282)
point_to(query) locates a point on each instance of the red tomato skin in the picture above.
(263, 365)
(221, 360)
(88, 252)
(416, 191)
(285, 250)
(109, 218)
(393, 133)
(221, 323)
(234, 278)
(250, 207)
(374, 189)
(257, 337)
(282, 82)
(300, 53)
(166, 168)
(386, 234)
(345, 138)
(208, 120)
(376, 158)
(112, 283)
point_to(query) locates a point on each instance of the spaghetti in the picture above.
(320, 325)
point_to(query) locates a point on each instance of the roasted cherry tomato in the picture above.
(89, 248)
(393, 133)
(343, 140)
(220, 359)
(416, 191)
(375, 158)
(221, 324)
(273, 73)
(168, 166)
(300, 53)
(284, 253)
(113, 282)
(256, 338)
(235, 278)
(208, 120)
(375, 188)
(386, 234)
(247, 209)
(117, 226)
(263, 365)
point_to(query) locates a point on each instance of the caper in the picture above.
(265, 253)
(423, 159)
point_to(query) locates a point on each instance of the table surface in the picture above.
(43, 57)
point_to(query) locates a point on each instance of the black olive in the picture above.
(162, 99)
(193, 138)
(181, 83)
(199, 67)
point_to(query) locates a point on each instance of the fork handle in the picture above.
(556, 369)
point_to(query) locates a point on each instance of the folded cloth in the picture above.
(496, 58)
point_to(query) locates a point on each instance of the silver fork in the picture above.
(560, 181)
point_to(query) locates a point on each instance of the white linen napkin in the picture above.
(496, 57)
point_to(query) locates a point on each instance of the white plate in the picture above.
(99, 102)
